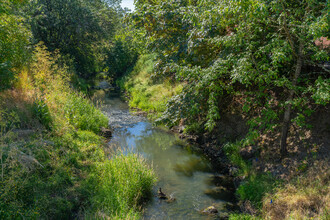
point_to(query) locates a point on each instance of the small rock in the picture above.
(211, 210)
(106, 132)
(233, 170)
(223, 216)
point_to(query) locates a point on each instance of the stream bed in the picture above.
(182, 173)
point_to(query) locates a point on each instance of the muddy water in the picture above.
(181, 173)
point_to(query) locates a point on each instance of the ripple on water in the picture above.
(182, 174)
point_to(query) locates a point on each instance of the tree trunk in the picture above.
(287, 112)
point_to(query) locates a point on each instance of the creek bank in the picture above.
(209, 146)
(222, 183)
(184, 173)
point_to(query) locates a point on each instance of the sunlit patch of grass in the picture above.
(256, 187)
(243, 217)
(125, 182)
(144, 93)
(61, 170)
(307, 197)
(42, 177)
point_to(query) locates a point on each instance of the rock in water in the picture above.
(211, 210)
(106, 132)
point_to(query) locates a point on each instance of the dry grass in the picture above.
(308, 197)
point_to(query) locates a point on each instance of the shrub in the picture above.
(144, 93)
(82, 114)
(41, 111)
(124, 182)
(256, 187)
(62, 171)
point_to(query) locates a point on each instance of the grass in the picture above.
(125, 182)
(60, 170)
(144, 93)
(232, 152)
(306, 197)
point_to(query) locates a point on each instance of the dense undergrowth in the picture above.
(255, 84)
(53, 165)
(261, 194)
(145, 93)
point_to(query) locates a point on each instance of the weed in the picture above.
(306, 197)
(62, 171)
(255, 188)
(144, 93)
(125, 182)
(243, 217)
(41, 111)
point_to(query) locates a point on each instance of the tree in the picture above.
(263, 51)
(77, 28)
(14, 41)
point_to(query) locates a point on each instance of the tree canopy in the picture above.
(263, 51)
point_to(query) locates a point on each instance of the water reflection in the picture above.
(182, 174)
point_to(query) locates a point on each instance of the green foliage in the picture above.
(243, 217)
(121, 58)
(255, 188)
(41, 111)
(232, 152)
(40, 179)
(124, 182)
(14, 41)
(62, 171)
(321, 91)
(82, 114)
(8, 120)
(144, 93)
(80, 29)
(233, 49)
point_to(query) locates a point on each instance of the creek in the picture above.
(182, 172)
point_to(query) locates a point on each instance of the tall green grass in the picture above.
(144, 93)
(125, 182)
(61, 170)
(82, 114)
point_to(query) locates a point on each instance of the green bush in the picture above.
(232, 152)
(256, 187)
(144, 93)
(82, 114)
(242, 217)
(41, 111)
(121, 57)
(124, 182)
(62, 171)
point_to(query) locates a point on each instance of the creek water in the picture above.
(182, 173)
